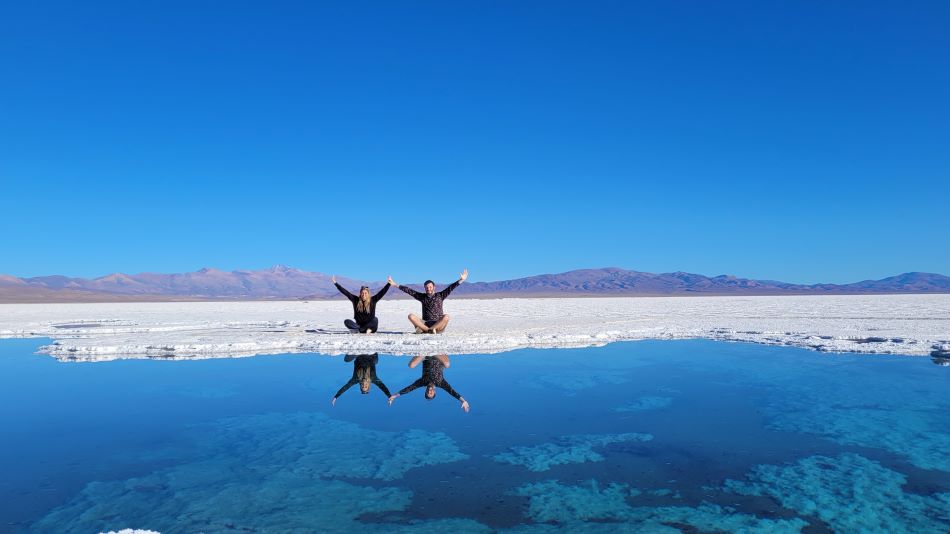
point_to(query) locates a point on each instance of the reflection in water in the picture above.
(433, 371)
(642, 437)
(364, 373)
(945, 362)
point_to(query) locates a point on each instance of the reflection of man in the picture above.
(433, 320)
(364, 372)
(433, 369)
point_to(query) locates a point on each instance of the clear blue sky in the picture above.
(800, 141)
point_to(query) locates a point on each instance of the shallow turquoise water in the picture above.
(649, 436)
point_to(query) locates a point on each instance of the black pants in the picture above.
(372, 324)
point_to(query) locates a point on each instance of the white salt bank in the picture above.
(894, 324)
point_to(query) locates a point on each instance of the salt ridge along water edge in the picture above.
(882, 324)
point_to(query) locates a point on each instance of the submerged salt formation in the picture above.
(895, 412)
(320, 446)
(846, 400)
(217, 496)
(565, 450)
(572, 382)
(275, 472)
(435, 526)
(850, 493)
(551, 501)
(569, 507)
(904, 431)
(646, 403)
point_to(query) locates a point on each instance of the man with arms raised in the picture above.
(433, 376)
(433, 319)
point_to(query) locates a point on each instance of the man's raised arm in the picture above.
(448, 290)
(407, 290)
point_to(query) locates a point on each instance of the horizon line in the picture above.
(278, 266)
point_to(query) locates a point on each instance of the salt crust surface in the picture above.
(897, 324)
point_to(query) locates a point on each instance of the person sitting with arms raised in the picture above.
(364, 309)
(433, 369)
(433, 319)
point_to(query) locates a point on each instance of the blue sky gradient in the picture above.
(805, 141)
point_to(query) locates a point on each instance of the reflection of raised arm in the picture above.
(444, 358)
(415, 385)
(415, 361)
(382, 293)
(382, 387)
(449, 389)
(343, 389)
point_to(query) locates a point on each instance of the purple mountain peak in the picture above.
(278, 268)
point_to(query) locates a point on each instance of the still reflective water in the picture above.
(648, 436)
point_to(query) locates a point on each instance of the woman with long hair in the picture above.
(364, 308)
(364, 374)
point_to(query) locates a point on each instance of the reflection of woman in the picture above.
(364, 372)
(433, 369)
(364, 308)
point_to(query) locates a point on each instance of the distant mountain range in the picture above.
(282, 283)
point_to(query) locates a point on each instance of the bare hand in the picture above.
(391, 399)
(333, 279)
(465, 406)
(390, 280)
(464, 275)
(333, 401)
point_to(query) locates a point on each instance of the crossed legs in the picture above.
(367, 328)
(432, 328)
